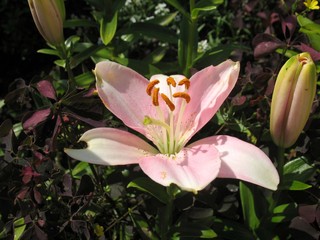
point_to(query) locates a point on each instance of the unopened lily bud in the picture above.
(292, 99)
(48, 16)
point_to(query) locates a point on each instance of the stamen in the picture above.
(184, 95)
(151, 121)
(185, 82)
(155, 94)
(171, 81)
(168, 102)
(151, 85)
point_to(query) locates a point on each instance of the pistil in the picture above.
(170, 142)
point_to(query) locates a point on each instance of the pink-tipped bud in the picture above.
(48, 16)
(292, 99)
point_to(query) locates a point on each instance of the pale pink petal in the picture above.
(109, 146)
(209, 89)
(244, 161)
(123, 91)
(192, 169)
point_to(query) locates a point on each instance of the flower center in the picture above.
(165, 128)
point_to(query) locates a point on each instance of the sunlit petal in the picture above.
(123, 91)
(192, 169)
(244, 161)
(109, 146)
(209, 88)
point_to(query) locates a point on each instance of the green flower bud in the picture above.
(292, 99)
(48, 16)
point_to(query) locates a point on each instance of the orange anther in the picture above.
(155, 94)
(185, 82)
(184, 95)
(151, 85)
(168, 102)
(171, 81)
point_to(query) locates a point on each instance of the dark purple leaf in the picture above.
(80, 227)
(66, 189)
(86, 186)
(315, 55)
(55, 133)
(265, 43)
(31, 120)
(37, 196)
(300, 224)
(238, 100)
(41, 235)
(308, 212)
(45, 87)
(7, 138)
(289, 24)
(90, 121)
(5, 128)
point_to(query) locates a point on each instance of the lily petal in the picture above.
(209, 88)
(109, 146)
(123, 91)
(244, 161)
(192, 169)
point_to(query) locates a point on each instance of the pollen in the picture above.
(155, 96)
(151, 86)
(184, 95)
(168, 102)
(163, 174)
(171, 81)
(185, 82)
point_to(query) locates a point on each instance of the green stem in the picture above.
(166, 213)
(191, 42)
(71, 81)
(280, 162)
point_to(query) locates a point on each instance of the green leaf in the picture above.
(150, 30)
(147, 185)
(205, 5)
(85, 54)
(18, 227)
(141, 67)
(297, 185)
(72, 23)
(49, 51)
(216, 55)
(85, 79)
(108, 28)
(228, 229)
(296, 173)
(163, 20)
(143, 227)
(247, 195)
(284, 212)
(60, 63)
(81, 169)
(192, 230)
(156, 56)
(178, 6)
(311, 29)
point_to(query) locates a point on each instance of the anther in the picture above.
(185, 82)
(155, 94)
(171, 81)
(168, 102)
(151, 85)
(184, 95)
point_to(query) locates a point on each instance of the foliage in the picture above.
(44, 194)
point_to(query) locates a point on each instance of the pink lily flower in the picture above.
(168, 111)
